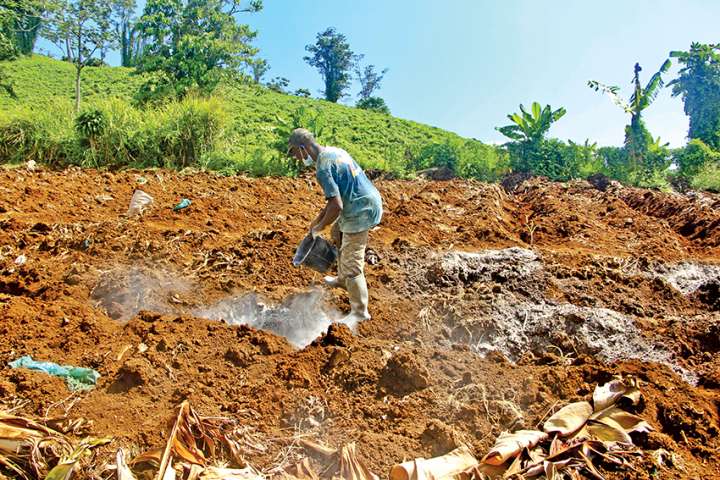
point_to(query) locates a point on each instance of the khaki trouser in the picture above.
(351, 252)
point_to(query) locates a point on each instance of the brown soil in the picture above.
(407, 383)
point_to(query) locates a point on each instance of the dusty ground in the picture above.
(469, 336)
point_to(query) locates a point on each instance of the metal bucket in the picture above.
(315, 253)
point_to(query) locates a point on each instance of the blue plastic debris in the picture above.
(77, 378)
(184, 203)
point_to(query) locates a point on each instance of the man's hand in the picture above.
(328, 215)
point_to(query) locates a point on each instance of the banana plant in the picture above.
(641, 97)
(532, 126)
(637, 139)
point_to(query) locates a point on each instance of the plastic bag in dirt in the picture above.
(138, 203)
(77, 378)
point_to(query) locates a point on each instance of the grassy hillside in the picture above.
(243, 127)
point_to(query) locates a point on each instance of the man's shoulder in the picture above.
(333, 154)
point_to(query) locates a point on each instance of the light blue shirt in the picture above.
(339, 175)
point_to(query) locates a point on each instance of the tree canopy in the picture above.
(81, 29)
(194, 44)
(698, 84)
(333, 58)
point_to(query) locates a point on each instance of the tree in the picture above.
(19, 26)
(375, 104)
(259, 68)
(698, 83)
(279, 84)
(638, 140)
(302, 92)
(8, 50)
(125, 24)
(332, 57)
(369, 79)
(193, 44)
(80, 28)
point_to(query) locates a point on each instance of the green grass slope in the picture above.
(253, 123)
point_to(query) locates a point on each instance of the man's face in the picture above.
(298, 152)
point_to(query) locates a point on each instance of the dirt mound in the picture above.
(695, 217)
(489, 309)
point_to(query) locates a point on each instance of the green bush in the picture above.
(583, 160)
(258, 163)
(694, 157)
(190, 129)
(615, 164)
(16, 140)
(556, 159)
(90, 124)
(437, 155)
(482, 162)
(375, 104)
(8, 51)
(467, 159)
(44, 135)
(112, 133)
(707, 178)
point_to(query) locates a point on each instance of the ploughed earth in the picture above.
(491, 310)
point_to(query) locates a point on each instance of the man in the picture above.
(353, 204)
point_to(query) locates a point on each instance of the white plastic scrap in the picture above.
(138, 203)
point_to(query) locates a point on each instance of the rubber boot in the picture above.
(334, 282)
(358, 293)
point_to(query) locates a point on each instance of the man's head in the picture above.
(302, 144)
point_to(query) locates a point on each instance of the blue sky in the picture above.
(463, 65)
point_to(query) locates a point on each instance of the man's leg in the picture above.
(336, 237)
(352, 267)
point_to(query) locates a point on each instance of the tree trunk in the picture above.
(78, 69)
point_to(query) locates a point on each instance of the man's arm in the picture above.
(327, 215)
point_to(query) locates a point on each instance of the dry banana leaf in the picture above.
(247, 473)
(322, 450)
(509, 445)
(627, 421)
(569, 419)
(302, 471)
(607, 395)
(123, 472)
(351, 468)
(449, 466)
(608, 431)
(65, 468)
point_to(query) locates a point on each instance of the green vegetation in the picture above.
(192, 45)
(207, 113)
(646, 159)
(80, 28)
(334, 60)
(19, 27)
(375, 104)
(246, 131)
(699, 87)
(529, 151)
